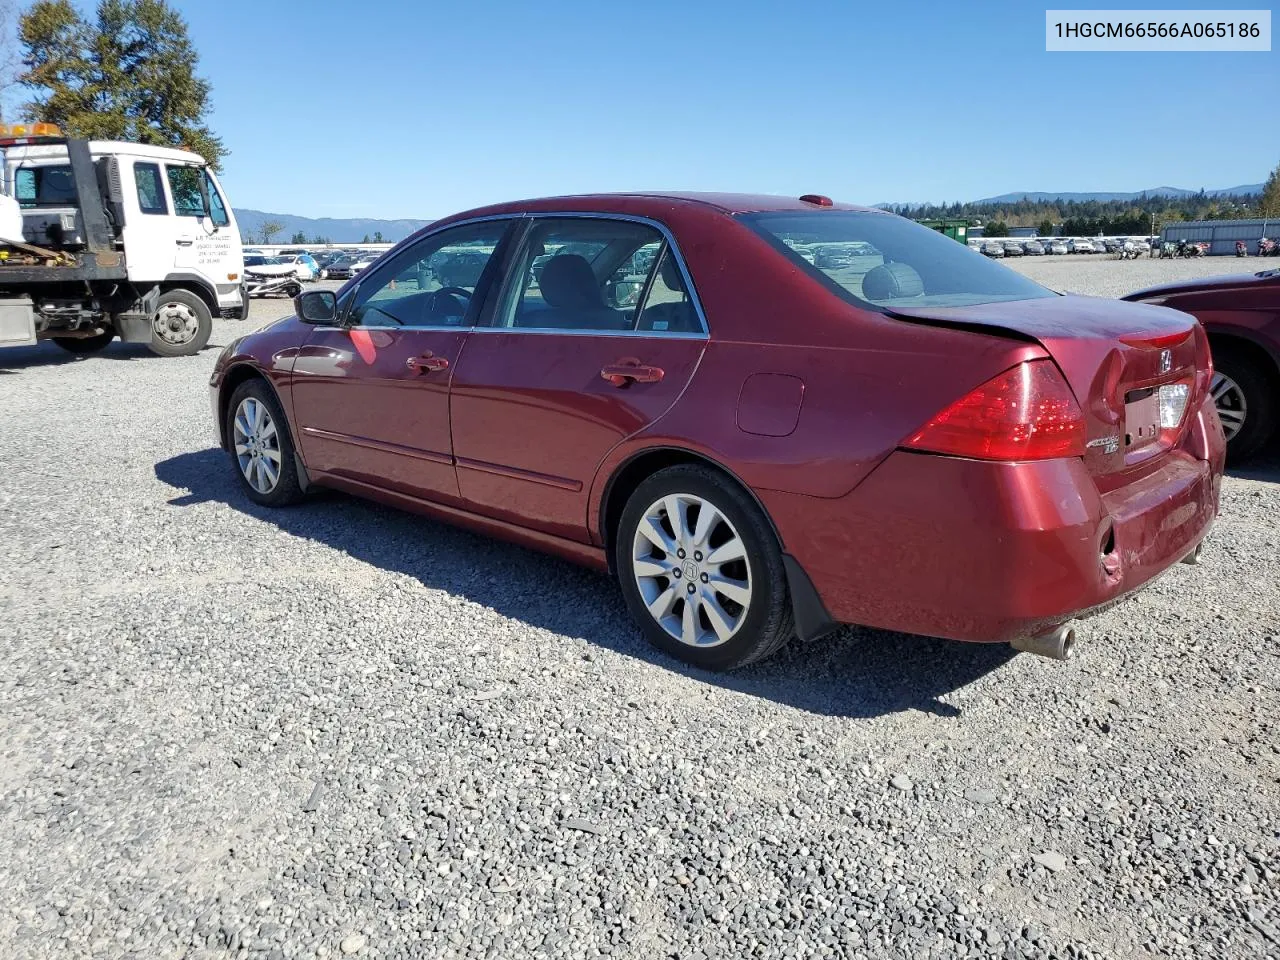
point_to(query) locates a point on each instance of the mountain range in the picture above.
(1040, 196)
(354, 230)
(335, 229)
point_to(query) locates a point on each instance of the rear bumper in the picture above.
(988, 552)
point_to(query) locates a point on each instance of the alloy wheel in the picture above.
(692, 571)
(176, 323)
(1231, 403)
(257, 444)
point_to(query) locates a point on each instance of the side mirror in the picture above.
(316, 306)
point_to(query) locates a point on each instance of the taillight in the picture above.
(1026, 413)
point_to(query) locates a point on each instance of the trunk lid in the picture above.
(1116, 358)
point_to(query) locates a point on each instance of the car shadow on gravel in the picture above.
(48, 355)
(1265, 467)
(16, 359)
(856, 672)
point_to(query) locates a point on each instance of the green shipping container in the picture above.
(955, 229)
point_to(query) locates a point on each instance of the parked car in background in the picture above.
(1012, 248)
(363, 262)
(1080, 246)
(339, 269)
(304, 266)
(1057, 247)
(1019, 458)
(1033, 248)
(271, 276)
(1241, 314)
(993, 249)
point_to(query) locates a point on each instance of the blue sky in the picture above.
(396, 108)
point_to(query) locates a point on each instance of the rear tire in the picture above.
(715, 614)
(182, 324)
(1251, 392)
(261, 447)
(86, 345)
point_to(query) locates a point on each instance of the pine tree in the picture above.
(127, 75)
(1270, 201)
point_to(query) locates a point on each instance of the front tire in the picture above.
(1245, 397)
(701, 569)
(261, 447)
(182, 324)
(86, 345)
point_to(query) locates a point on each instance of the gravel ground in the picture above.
(339, 730)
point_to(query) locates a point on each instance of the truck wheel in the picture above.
(85, 345)
(182, 324)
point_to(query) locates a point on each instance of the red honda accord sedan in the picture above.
(766, 416)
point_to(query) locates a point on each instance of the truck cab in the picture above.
(117, 239)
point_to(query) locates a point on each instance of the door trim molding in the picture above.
(379, 445)
(483, 466)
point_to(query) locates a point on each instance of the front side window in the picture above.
(189, 186)
(881, 261)
(219, 212)
(150, 188)
(432, 283)
(45, 187)
(581, 274)
(184, 184)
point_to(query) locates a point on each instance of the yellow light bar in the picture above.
(16, 130)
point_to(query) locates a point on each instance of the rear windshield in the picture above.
(883, 261)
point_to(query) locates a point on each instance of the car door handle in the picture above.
(182, 242)
(427, 363)
(630, 371)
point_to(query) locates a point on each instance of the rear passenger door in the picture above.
(593, 337)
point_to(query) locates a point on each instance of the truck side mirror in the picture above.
(316, 306)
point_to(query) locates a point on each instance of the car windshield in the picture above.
(884, 261)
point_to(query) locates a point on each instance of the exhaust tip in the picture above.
(1056, 644)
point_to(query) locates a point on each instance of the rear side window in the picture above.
(882, 261)
(581, 273)
(150, 188)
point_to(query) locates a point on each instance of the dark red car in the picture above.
(1241, 314)
(767, 416)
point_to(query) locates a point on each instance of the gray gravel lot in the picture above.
(339, 730)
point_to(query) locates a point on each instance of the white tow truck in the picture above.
(100, 239)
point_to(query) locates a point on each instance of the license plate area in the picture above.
(1141, 418)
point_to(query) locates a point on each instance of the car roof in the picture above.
(656, 203)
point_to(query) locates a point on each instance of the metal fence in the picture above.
(1221, 235)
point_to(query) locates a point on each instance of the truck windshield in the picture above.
(45, 187)
(882, 261)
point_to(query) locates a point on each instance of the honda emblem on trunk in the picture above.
(1166, 361)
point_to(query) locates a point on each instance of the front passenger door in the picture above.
(372, 397)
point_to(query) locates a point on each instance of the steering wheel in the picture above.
(460, 296)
